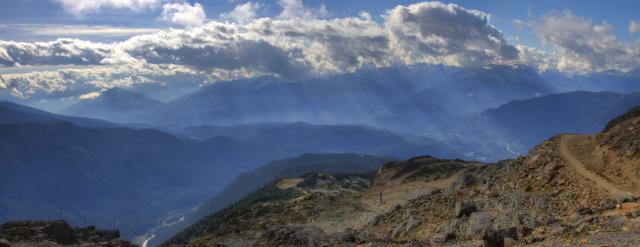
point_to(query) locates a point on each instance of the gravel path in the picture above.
(580, 168)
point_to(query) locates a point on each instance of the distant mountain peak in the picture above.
(115, 103)
(118, 93)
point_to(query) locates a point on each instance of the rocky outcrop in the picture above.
(424, 168)
(58, 232)
(290, 236)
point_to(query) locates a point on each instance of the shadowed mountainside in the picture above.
(248, 182)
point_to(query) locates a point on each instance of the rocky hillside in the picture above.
(569, 190)
(248, 182)
(57, 233)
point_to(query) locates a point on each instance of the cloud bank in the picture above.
(286, 46)
(582, 46)
(302, 42)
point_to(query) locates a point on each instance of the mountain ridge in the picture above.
(557, 194)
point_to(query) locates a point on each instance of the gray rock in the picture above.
(609, 204)
(294, 236)
(4, 243)
(479, 222)
(626, 198)
(464, 209)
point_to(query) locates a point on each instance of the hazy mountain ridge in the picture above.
(147, 174)
(307, 138)
(353, 98)
(78, 169)
(12, 113)
(115, 104)
(523, 123)
(568, 190)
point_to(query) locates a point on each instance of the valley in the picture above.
(321, 123)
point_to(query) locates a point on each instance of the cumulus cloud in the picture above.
(183, 13)
(419, 33)
(302, 42)
(243, 13)
(299, 42)
(536, 58)
(80, 8)
(433, 31)
(294, 9)
(582, 47)
(78, 81)
(634, 27)
(61, 51)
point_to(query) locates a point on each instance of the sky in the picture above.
(68, 48)
(16, 14)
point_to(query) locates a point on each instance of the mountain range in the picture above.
(115, 104)
(165, 166)
(147, 175)
(354, 98)
(571, 189)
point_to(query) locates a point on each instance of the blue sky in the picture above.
(69, 48)
(503, 12)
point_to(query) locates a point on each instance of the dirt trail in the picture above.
(580, 168)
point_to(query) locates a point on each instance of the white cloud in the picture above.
(634, 27)
(297, 44)
(243, 13)
(302, 42)
(432, 31)
(55, 30)
(520, 24)
(61, 51)
(89, 96)
(83, 80)
(536, 58)
(184, 14)
(581, 47)
(80, 8)
(294, 9)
